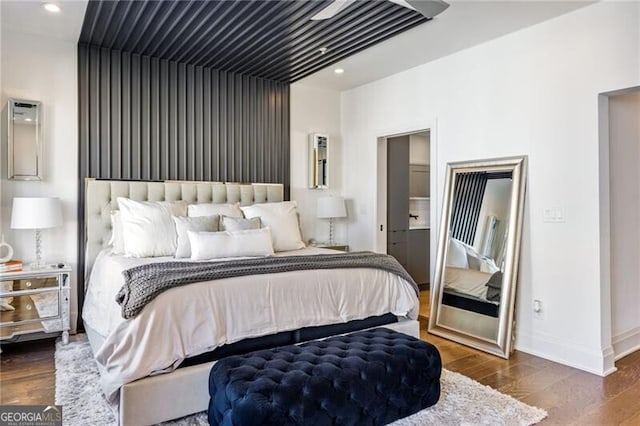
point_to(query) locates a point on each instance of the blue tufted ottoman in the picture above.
(370, 377)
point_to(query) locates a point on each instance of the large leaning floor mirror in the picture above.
(473, 297)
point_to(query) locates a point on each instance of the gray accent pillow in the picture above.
(494, 287)
(239, 224)
(195, 224)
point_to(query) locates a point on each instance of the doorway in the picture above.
(405, 210)
(620, 222)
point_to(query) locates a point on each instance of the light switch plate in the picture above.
(553, 215)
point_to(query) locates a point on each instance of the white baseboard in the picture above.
(626, 343)
(599, 362)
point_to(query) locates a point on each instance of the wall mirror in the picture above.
(318, 161)
(24, 149)
(472, 300)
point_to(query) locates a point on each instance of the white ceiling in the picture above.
(462, 25)
(28, 16)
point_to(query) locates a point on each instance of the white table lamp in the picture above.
(36, 213)
(331, 208)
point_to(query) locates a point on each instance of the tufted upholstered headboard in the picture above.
(101, 198)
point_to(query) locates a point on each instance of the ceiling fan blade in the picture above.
(331, 10)
(427, 8)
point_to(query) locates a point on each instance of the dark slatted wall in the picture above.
(467, 200)
(144, 118)
(148, 118)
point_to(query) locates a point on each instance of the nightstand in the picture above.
(40, 301)
(333, 247)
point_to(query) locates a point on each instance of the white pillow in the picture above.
(147, 227)
(196, 224)
(282, 218)
(457, 254)
(239, 223)
(232, 210)
(488, 265)
(214, 245)
(177, 208)
(117, 239)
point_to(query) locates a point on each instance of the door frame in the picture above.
(608, 342)
(380, 239)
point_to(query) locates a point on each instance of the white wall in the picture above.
(624, 143)
(315, 111)
(44, 69)
(533, 92)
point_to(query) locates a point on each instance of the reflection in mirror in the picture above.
(24, 140)
(319, 161)
(472, 300)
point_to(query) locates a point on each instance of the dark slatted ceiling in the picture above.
(269, 39)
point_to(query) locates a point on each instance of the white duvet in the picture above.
(190, 320)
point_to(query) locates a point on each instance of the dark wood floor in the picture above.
(570, 396)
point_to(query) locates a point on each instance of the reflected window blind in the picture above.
(467, 201)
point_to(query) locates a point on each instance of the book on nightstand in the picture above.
(11, 266)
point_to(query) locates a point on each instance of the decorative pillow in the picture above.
(282, 218)
(239, 223)
(457, 254)
(494, 287)
(215, 245)
(117, 239)
(231, 210)
(196, 224)
(147, 227)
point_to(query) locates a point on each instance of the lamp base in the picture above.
(331, 242)
(37, 265)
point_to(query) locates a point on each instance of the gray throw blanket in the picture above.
(145, 282)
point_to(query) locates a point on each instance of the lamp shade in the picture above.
(36, 213)
(331, 207)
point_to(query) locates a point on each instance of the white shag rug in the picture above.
(463, 401)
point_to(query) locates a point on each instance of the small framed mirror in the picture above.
(25, 143)
(318, 161)
(473, 297)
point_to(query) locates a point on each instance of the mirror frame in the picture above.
(502, 346)
(11, 143)
(313, 161)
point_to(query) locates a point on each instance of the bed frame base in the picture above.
(184, 391)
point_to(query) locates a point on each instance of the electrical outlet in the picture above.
(538, 311)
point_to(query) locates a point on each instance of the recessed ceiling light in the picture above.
(51, 7)
(27, 119)
(323, 50)
(338, 71)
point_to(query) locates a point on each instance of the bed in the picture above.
(469, 289)
(472, 282)
(139, 358)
